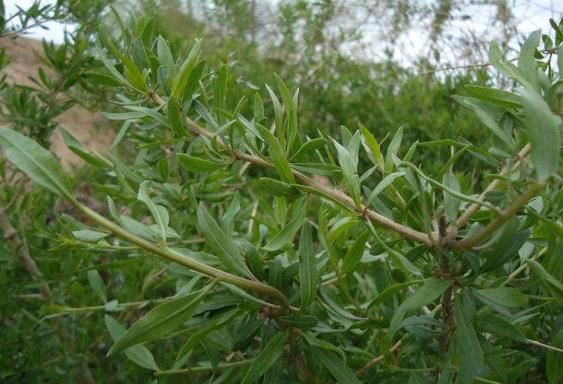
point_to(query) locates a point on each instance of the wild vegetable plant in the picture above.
(324, 259)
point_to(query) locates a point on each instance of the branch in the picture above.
(376, 360)
(473, 208)
(171, 255)
(512, 209)
(22, 250)
(334, 194)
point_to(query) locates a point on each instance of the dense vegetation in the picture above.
(340, 221)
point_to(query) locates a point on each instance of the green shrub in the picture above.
(279, 257)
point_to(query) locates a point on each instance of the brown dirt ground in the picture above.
(90, 128)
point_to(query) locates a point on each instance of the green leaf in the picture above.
(175, 118)
(348, 161)
(543, 129)
(196, 164)
(387, 181)
(290, 108)
(278, 116)
(97, 284)
(495, 96)
(75, 146)
(337, 368)
(484, 113)
(504, 296)
(160, 321)
(308, 147)
(258, 108)
(221, 87)
(308, 276)
(221, 244)
(496, 325)
(271, 353)
(451, 203)
(277, 188)
(277, 155)
(35, 161)
(89, 235)
(181, 79)
(393, 148)
(355, 253)
(553, 285)
(391, 291)
(158, 212)
(286, 235)
(139, 354)
(430, 291)
(554, 360)
(507, 68)
(527, 60)
(374, 150)
(468, 348)
(165, 57)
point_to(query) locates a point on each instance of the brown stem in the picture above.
(447, 308)
(376, 360)
(470, 242)
(334, 194)
(22, 250)
(473, 208)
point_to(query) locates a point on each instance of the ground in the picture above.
(90, 128)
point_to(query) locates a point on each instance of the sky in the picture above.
(530, 15)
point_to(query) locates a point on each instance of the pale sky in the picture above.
(530, 15)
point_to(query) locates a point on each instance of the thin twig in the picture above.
(470, 242)
(473, 208)
(332, 193)
(376, 360)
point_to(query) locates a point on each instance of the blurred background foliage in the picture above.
(325, 47)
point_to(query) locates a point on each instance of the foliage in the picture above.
(238, 245)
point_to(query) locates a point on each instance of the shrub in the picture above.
(288, 259)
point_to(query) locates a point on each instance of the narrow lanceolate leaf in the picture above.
(494, 96)
(181, 79)
(159, 213)
(527, 60)
(269, 355)
(139, 354)
(337, 368)
(196, 164)
(451, 203)
(468, 348)
(160, 321)
(277, 155)
(349, 165)
(89, 235)
(308, 276)
(543, 129)
(504, 296)
(175, 118)
(430, 291)
(393, 148)
(554, 360)
(486, 117)
(554, 286)
(372, 147)
(387, 181)
(221, 87)
(74, 145)
(286, 235)
(308, 147)
(220, 243)
(355, 253)
(97, 284)
(35, 161)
